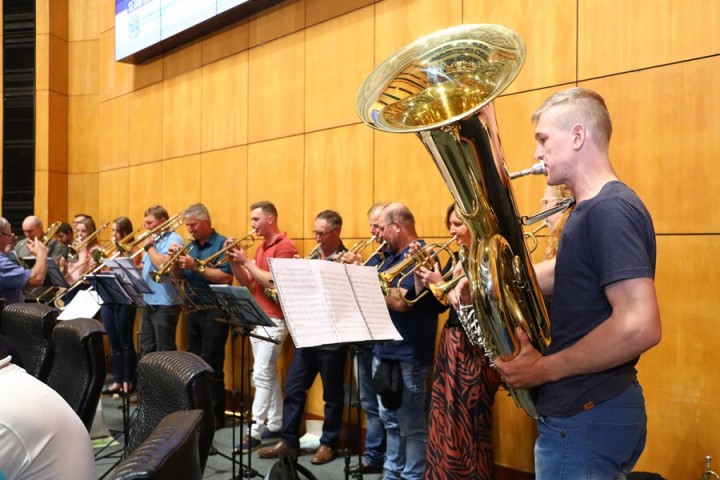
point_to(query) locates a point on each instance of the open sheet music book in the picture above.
(328, 302)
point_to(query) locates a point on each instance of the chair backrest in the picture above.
(168, 453)
(29, 327)
(168, 382)
(78, 367)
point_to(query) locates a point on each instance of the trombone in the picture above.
(425, 257)
(169, 225)
(159, 274)
(71, 254)
(245, 242)
(52, 230)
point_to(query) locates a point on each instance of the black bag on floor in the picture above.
(388, 383)
(287, 468)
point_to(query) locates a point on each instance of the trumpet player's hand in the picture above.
(526, 369)
(237, 255)
(186, 262)
(413, 249)
(351, 258)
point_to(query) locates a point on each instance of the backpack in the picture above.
(288, 468)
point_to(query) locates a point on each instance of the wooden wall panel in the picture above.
(277, 22)
(513, 434)
(51, 17)
(114, 133)
(224, 190)
(57, 200)
(617, 36)
(182, 97)
(83, 194)
(275, 173)
(224, 120)
(678, 375)
(83, 134)
(182, 60)
(83, 67)
(181, 183)
(277, 89)
(405, 172)
(144, 190)
(339, 176)
(147, 74)
(400, 22)
(551, 49)
(230, 41)
(664, 148)
(115, 77)
(332, 82)
(114, 197)
(317, 11)
(145, 125)
(106, 18)
(86, 26)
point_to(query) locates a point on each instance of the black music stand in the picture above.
(242, 314)
(118, 287)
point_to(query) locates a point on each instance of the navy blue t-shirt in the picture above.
(608, 238)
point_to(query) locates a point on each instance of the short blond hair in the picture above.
(584, 106)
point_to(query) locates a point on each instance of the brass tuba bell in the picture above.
(441, 87)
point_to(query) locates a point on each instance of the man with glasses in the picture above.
(13, 278)
(267, 406)
(327, 360)
(406, 427)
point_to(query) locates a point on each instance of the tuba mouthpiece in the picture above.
(536, 169)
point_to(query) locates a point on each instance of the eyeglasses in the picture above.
(323, 234)
(6, 234)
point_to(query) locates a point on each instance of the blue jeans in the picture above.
(207, 337)
(374, 453)
(305, 366)
(604, 442)
(158, 327)
(118, 321)
(406, 427)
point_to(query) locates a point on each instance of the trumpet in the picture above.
(52, 230)
(708, 474)
(315, 253)
(378, 252)
(71, 253)
(165, 268)
(245, 242)
(357, 248)
(425, 257)
(532, 236)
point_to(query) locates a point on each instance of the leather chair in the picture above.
(29, 327)
(168, 453)
(168, 382)
(78, 367)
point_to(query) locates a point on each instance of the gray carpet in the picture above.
(218, 466)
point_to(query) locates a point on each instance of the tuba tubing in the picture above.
(441, 87)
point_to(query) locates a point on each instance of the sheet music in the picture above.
(322, 307)
(371, 301)
(85, 304)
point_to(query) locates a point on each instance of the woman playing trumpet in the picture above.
(463, 390)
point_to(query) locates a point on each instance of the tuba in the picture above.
(441, 87)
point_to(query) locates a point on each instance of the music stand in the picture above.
(242, 314)
(53, 277)
(116, 288)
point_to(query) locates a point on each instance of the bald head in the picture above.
(32, 227)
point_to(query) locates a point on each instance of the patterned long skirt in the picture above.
(463, 392)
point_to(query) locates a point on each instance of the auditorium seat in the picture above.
(78, 366)
(168, 453)
(168, 382)
(29, 327)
